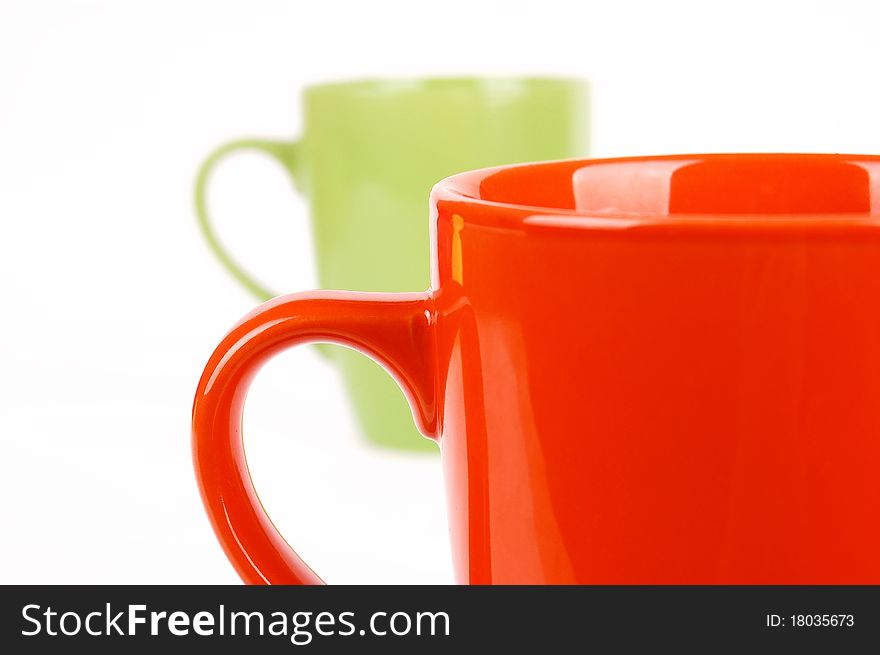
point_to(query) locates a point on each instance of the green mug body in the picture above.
(369, 154)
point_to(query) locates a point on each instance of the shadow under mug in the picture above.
(369, 154)
(654, 370)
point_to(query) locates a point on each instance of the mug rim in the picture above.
(462, 188)
(373, 86)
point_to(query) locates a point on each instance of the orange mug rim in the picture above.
(465, 188)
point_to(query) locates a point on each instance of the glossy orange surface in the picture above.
(655, 370)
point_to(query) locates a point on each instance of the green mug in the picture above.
(369, 155)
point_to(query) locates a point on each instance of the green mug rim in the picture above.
(393, 85)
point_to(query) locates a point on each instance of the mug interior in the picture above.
(723, 185)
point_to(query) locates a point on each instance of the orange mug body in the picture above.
(655, 370)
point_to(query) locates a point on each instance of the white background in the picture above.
(111, 303)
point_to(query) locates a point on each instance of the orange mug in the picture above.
(648, 370)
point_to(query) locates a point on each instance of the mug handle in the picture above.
(287, 154)
(394, 329)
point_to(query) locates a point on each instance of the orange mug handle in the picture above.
(395, 329)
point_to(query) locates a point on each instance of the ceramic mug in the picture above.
(369, 154)
(652, 370)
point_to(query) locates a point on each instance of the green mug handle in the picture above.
(287, 154)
